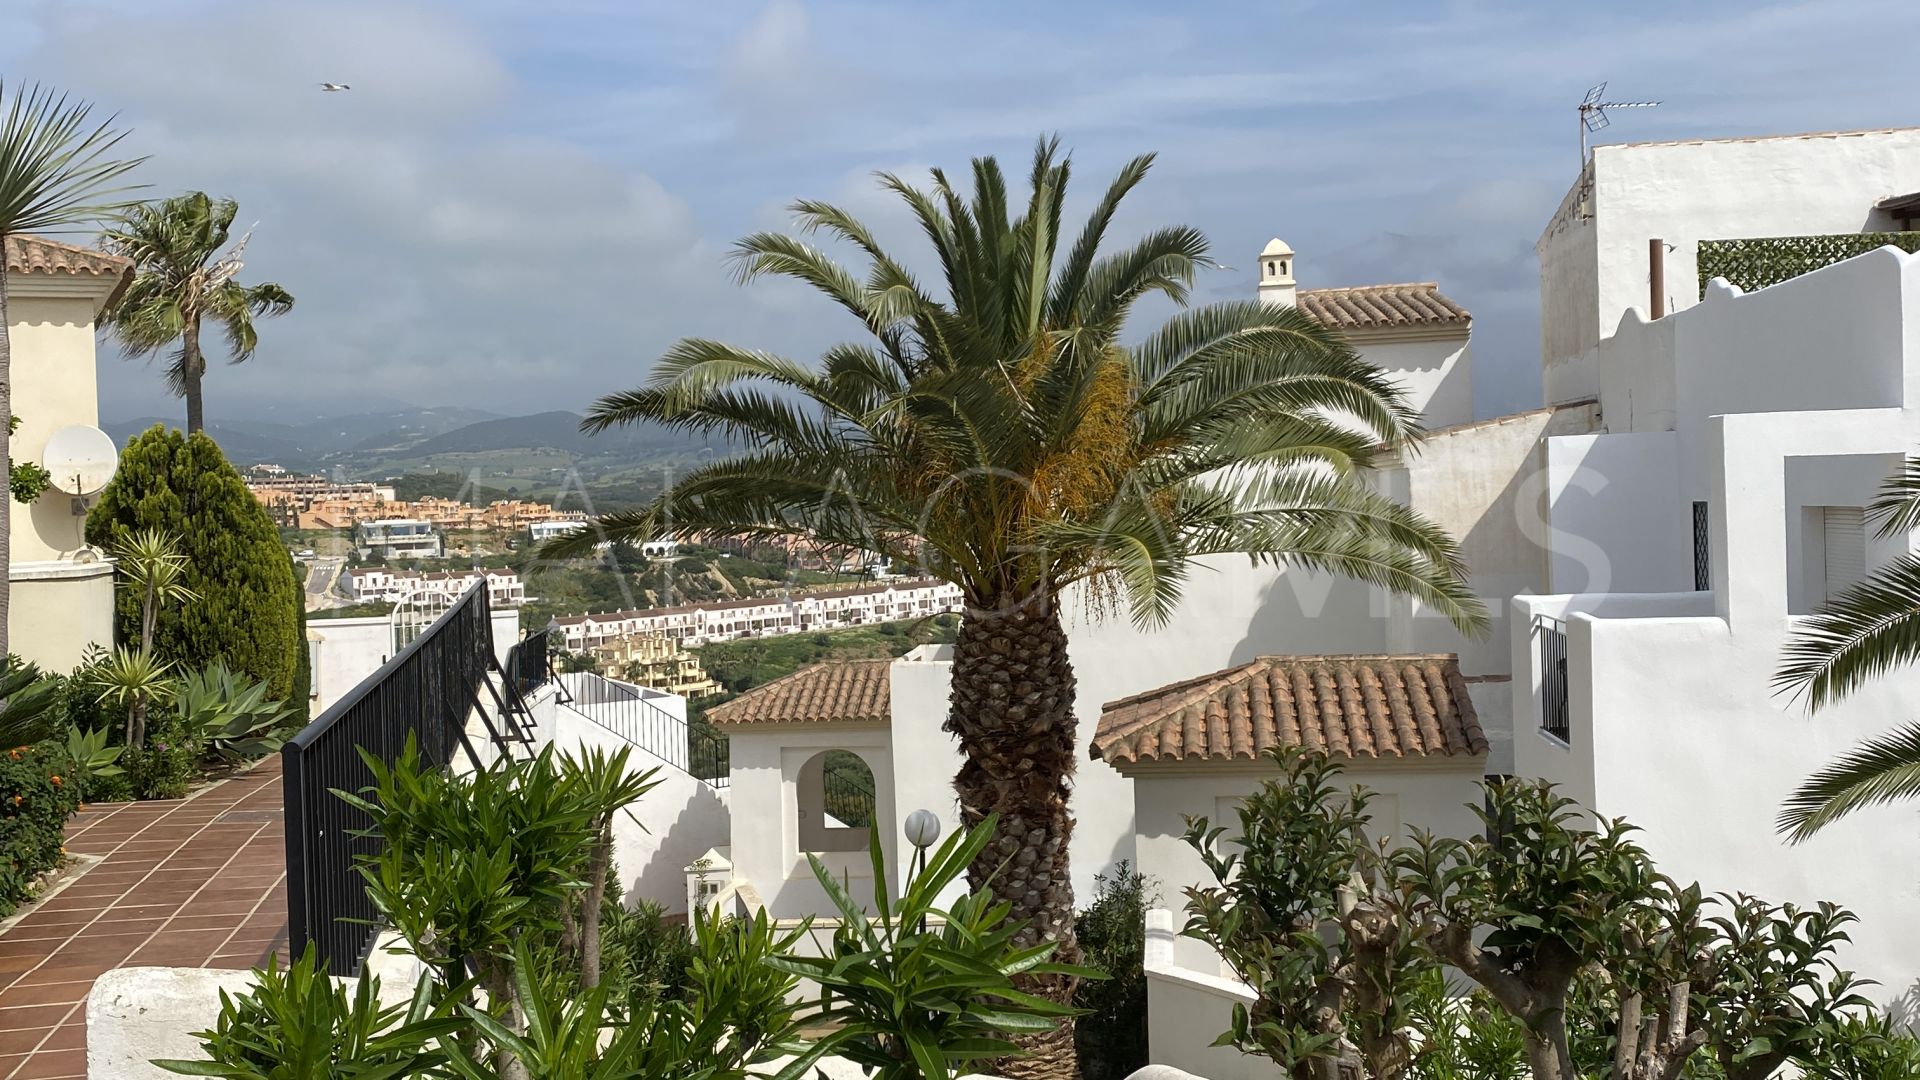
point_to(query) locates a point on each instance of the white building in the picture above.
(766, 616)
(540, 531)
(1645, 545)
(1594, 253)
(365, 583)
(397, 538)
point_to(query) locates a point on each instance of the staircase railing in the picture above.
(693, 749)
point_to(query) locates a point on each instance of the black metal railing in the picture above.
(694, 749)
(1702, 548)
(427, 692)
(1554, 716)
(530, 661)
(849, 794)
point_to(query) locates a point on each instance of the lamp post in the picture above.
(922, 828)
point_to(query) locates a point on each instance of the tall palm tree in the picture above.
(1862, 634)
(1001, 433)
(56, 170)
(181, 283)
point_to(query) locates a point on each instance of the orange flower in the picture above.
(55, 778)
(18, 799)
(14, 754)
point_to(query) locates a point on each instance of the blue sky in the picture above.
(519, 204)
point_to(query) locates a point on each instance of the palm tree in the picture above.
(55, 171)
(1862, 634)
(181, 283)
(133, 679)
(1005, 428)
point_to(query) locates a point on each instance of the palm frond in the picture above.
(1879, 771)
(56, 168)
(1897, 507)
(1862, 634)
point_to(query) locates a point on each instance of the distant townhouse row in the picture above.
(766, 616)
(504, 587)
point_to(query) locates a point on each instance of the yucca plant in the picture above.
(29, 704)
(153, 569)
(1002, 432)
(1864, 633)
(57, 170)
(134, 680)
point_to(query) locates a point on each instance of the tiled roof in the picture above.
(39, 255)
(834, 692)
(1383, 307)
(1357, 707)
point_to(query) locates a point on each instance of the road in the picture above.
(322, 572)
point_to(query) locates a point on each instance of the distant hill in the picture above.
(242, 447)
(559, 430)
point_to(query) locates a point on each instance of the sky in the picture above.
(519, 205)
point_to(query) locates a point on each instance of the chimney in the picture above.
(1276, 274)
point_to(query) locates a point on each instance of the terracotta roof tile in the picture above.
(1357, 707)
(1383, 307)
(38, 255)
(835, 692)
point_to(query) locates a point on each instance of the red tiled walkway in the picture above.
(198, 882)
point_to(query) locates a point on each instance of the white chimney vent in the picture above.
(1276, 274)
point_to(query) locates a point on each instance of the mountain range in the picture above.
(389, 442)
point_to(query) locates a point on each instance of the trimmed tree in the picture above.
(248, 611)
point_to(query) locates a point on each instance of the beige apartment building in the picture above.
(62, 590)
(656, 661)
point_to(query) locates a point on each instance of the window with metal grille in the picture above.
(1555, 719)
(1702, 551)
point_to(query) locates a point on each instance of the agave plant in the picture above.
(230, 714)
(134, 680)
(92, 758)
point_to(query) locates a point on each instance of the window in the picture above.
(1555, 716)
(1702, 549)
(1843, 537)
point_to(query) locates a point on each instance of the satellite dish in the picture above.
(80, 459)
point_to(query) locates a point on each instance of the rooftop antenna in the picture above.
(1593, 114)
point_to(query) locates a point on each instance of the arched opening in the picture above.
(836, 795)
(1270, 269)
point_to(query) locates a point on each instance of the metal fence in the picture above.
(694, 749)
(1554, 717)
(849, 793)
(530, 661)
(427, 692)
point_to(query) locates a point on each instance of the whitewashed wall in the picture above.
(765, 770)
(1593, 270)
(1436, 374)
(1793, 397)
(669, 828)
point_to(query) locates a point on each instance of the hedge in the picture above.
(1758, 262)
(35, 801)
(248, 611)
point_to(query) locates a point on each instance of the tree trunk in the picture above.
(6, 449)
(1547, 1053)
(1012, 709)
(597, 869)
(192, 366)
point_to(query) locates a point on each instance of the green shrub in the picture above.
(249, 604)
(296, 1022)
(35, 801)
(167, 766)
(1112, 1036)
(645, 957)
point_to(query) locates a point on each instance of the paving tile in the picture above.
(51, 1066)
(42, 1018)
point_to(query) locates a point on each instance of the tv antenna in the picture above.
(1593, 114)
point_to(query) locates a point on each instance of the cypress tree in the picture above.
(248, 611)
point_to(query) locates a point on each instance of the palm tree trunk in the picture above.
(192, 366)
(1012, 709)
(6, 451)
